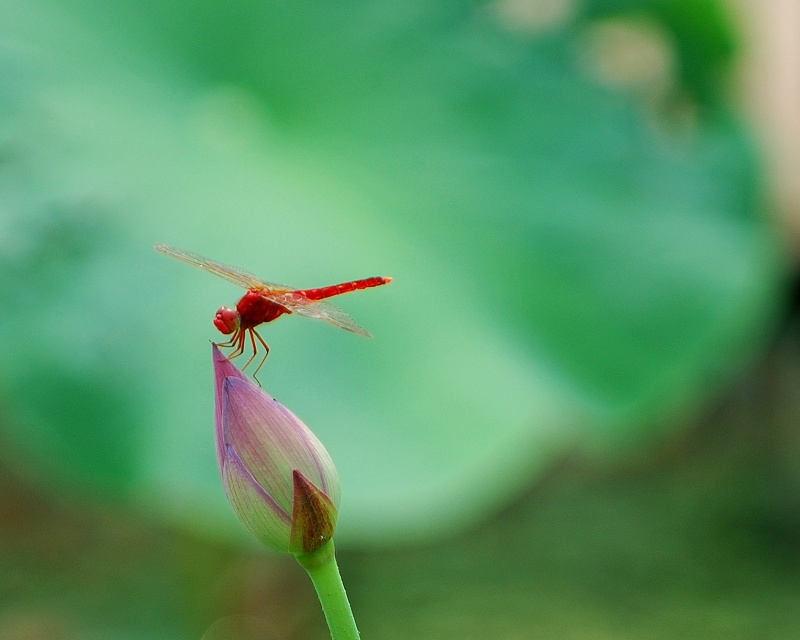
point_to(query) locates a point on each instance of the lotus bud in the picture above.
(280, 480)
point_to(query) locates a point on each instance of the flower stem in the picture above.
(324, 573)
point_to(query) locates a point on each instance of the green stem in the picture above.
(324, 573)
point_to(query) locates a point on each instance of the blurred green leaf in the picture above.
(566, 257)
(702, 34)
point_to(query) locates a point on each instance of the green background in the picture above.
(581, 260)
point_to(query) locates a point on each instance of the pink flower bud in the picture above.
(280, 480)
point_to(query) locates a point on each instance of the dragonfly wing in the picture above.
(231, 274)
(321, 310)
(286, 296)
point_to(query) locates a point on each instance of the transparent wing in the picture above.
(321, 310)
(231, 274)
(287, 296)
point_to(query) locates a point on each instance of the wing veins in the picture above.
(321, 310)
(228, 272)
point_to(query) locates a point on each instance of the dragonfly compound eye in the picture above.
(226, 320)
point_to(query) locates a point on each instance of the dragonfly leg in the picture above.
(238, 340)
(235, 341)
(252, 333)
(264, 359)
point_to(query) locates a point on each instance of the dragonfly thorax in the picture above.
(254, 308)
(227, 320)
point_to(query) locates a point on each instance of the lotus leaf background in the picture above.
(575, 418)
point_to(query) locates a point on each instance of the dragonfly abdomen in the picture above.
(344, 287)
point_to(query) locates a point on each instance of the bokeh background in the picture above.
(578, 415)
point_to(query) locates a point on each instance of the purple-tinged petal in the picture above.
(279, 479)
(223, 368)
(272, 442)
(253, 506)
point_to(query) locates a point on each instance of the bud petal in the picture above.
(256, 509)
(313, 517)
(280, 480)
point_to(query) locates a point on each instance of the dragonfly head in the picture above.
(227, 320)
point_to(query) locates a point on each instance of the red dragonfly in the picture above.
(266, 301)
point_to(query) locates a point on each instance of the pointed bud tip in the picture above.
(223, 367)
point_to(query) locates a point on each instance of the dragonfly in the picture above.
(266, 301)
